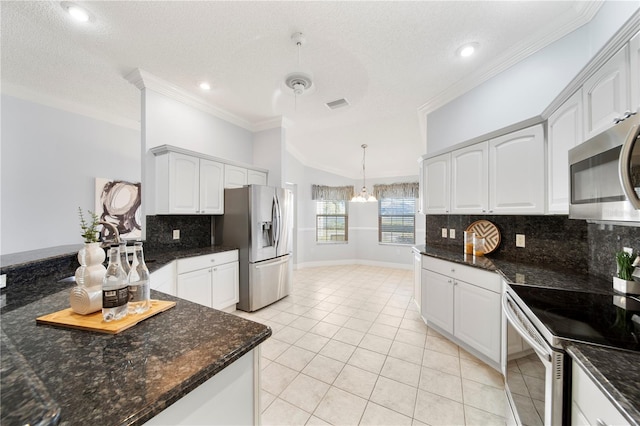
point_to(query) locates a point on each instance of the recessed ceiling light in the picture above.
(467, 50)
(79, 14)
(205, 86)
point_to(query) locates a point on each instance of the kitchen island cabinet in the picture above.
(134, 376)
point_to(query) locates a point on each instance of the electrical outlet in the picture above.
(452, 233)
(176, 234)
(3, 280)
(519, 240)
(444, 232)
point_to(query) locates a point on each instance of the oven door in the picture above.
(534, 372)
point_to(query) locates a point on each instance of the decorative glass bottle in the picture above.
(115, 288)
(124, 258)
(139, 282)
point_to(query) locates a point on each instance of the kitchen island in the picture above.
(612, 370)
(128, 378)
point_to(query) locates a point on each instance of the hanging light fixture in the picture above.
(364, 196)
(299, 82)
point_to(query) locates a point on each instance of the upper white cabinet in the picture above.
(470, 179)
(564, 132)
(606, 94)
(237, 177)
(186, 184)
(256, 177)
(436, 184)
(234, 176)
(634, 61)
(516, 172)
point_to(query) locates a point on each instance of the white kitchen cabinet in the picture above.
(417, 278)
(234, 176)
(463, 303)
(188, 185)
(210, 280)
(606, 94)
(634, 72)
(256, 177)
(469, 179)
(565, 130)
(589, 405)
(436, 184)
(516, 172)
(164, 279)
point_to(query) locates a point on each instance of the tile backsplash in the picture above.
(553, 241)
(195, 231)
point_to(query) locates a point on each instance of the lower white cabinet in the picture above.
(417, 279)
(210, 280)
(164, 279)
(589, 405)
(463, 302)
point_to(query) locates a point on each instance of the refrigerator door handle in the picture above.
(275, 211)
(267, 265)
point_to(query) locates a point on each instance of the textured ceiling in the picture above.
(386, 58)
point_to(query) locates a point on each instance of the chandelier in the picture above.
(364, 196)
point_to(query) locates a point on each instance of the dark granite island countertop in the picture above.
(616, 372)
(122, 379)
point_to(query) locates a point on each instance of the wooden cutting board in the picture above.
(94, 322)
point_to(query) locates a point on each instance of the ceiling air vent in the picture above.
(338, 103)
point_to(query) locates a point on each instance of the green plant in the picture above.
(625, 267)
(89, 231)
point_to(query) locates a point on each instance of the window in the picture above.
(397, 220)
(331, 221)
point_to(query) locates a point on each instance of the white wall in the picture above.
(50, 159)
(363, 246)
(526, 89)
(268, 153)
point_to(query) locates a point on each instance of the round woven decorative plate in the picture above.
(489, 231)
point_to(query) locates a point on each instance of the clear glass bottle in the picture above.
(139, 282)
(115, 288)
(124, 258)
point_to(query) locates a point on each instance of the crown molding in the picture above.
(24, 93)
(511, 57)
(268, 124)
(145, 80)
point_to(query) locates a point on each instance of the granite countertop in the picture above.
(615, 371)
(81, 377)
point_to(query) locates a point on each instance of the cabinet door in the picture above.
(634, 60)
(436, 184)
(256, 177)
(605, 94)
(469, 181)
(211, 187)
(234, 177)
(516, 172)
(195, 286)
(184, 178)
(417, 278)
(437, 300)
(225, 285)
(565, 132)
(477, 318)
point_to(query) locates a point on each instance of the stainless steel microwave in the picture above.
(604, 175)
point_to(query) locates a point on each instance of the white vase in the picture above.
(627, 287)
(91, 270)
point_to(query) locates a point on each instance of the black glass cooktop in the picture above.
(607, 320)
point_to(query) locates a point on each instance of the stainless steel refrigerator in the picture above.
(258, 220)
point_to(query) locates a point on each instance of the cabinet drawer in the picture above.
(206, 261)
(591, 402)
(485, 279)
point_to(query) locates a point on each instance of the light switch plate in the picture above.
(3, 280)
(444, 232)
(452, 233)
(520, 240)
(176, 234)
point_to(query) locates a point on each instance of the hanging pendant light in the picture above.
(299, 82)
(364, 196)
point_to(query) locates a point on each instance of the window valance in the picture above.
(322, 192)
(396, 190)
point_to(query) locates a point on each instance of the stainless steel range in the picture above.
(539, 322)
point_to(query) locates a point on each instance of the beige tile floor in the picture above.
(349, 348)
